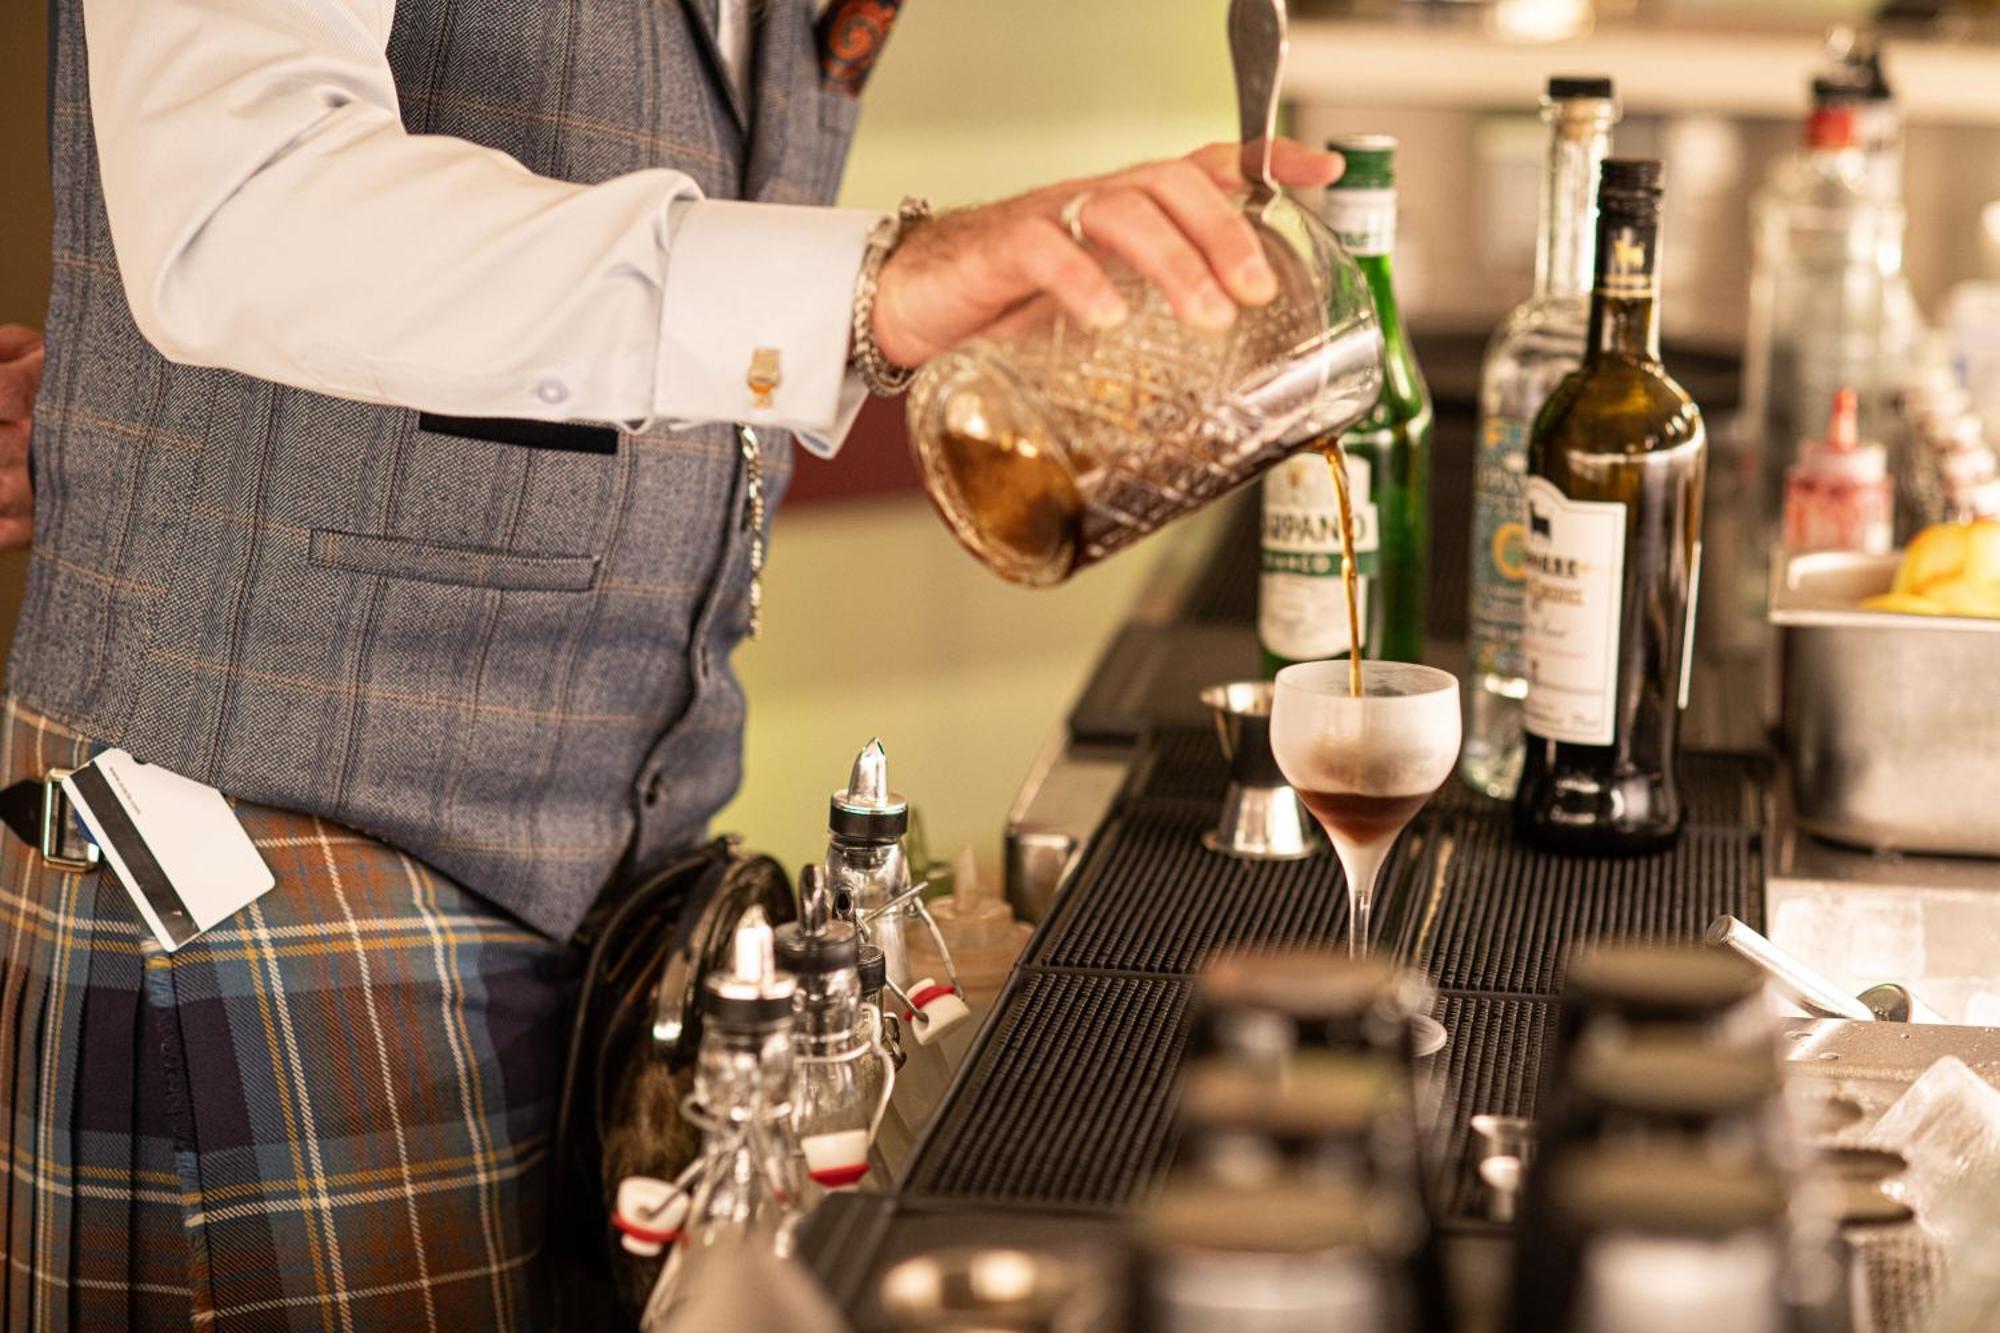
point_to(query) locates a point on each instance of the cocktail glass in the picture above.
(1364, 764)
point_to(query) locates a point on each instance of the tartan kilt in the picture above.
(329, 1112)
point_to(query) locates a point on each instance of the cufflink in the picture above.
(764, 377)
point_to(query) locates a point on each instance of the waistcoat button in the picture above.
(655, 785)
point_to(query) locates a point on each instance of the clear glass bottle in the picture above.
(866, 867)
(751, 1186)
(1538, 344)
(885, 1030)
(1854, 63)
(842, 1078)
(1829, 305)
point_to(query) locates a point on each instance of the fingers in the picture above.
(1222, 235)
(20, 381)
(1042, 254)
(1131, 225)
(1293, 165)
(17, 495)
(16, 339)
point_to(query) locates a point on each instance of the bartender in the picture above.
(420, 380)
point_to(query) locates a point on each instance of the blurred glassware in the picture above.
(976, 1290)
(1280, 1257)
(1945, 469)
(981, 931)
(1838, 495)
(1972, 317)
(1854, 62)
(750, 1188)
(1325, 1120)
(1829, 304)
(1657, 1241)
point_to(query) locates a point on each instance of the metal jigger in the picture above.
(1262, 819)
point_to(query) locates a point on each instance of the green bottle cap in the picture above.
(1370, 161)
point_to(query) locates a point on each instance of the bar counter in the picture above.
(1062, 1114)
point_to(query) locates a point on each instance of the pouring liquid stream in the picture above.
(1336, 461)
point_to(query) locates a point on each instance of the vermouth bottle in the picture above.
(1302, 609)
(1537, 344)
(1616, 465)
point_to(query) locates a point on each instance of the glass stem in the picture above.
(1362, 866)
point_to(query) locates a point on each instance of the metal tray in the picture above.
(1891, 721)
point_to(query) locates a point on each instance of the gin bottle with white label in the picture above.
(1531, 351)
(1613, 505)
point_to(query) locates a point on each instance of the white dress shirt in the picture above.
(272, 216)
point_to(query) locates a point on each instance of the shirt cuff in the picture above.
(762, 296)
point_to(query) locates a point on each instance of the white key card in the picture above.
(174, 844)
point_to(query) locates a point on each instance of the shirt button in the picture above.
(655, 786)
(551, 391)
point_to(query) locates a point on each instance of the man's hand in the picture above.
(20, 381)
(1171, 221)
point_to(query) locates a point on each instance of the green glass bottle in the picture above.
(1302, 611)
(1615, 471)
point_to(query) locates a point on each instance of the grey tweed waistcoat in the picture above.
(511, 662)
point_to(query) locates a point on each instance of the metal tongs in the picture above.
(1812, 991)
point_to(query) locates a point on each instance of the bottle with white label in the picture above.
(1302, 606)
(1531, 351)
(1613, 507)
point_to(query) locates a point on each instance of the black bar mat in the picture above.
(1491, 1066)
(1504, 916)
(1151, 898)
(1069, 1098)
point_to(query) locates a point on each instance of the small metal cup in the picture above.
(1262, 818)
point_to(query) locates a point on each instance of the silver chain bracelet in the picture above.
(883, 377)
(753, 520)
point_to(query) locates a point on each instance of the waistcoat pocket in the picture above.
(433, 562)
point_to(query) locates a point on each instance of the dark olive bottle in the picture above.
(1615, 470)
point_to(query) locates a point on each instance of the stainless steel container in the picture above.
(1891, 722)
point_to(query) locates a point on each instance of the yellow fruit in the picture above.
(1904, 603)
(1982, 558)
(1964, 597)
(1936, 554)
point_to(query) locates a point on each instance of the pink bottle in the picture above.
(1838, 496)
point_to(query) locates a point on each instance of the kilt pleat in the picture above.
(329, 1112)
